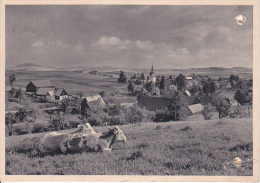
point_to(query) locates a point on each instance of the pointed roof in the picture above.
(94, 100)
(142, 77)
(44, 91)
(59, 91)
(152, 72)
(195, 108)
(42, 83)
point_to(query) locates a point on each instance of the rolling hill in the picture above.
(29, 67)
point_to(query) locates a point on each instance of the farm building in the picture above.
(56, 95)
(91, 102)
(44, 89)
(41, 92)
(34, 86)
(153, 103)
(169, 86)
(60, 94)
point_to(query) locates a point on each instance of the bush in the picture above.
(178, 107)
(10, 119)
(136, 114)
(207, 112)
(56, 123)
(117, 120)
(163, 116)
(222, 106)
(96, 116)
(21, 129)
(236, 112)
(40, 127)
(72, 122)
(97, 119)
(114, 110)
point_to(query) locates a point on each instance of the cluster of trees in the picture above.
(122, 78)
(242, 97)
(117, 115)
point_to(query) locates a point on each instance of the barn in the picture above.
(34, 86)
(91, 102)
(153, 103)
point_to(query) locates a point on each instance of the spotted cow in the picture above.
(92, 142)
(51, 141)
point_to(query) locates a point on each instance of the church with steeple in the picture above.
(151, 84)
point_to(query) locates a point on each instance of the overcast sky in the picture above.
(129, 36)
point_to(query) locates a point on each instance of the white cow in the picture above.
(51, 141)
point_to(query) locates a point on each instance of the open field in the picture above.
(72, 82)
(172, 148)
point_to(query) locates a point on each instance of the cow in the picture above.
(99, 142)
(50, 142)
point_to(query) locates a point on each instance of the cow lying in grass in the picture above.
(50, 142)
(92, 142)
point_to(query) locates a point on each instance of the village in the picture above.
(40, 105)
(149, 92)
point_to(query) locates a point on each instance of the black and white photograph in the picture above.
(140, 90)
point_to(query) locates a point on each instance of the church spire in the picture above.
(152, 72)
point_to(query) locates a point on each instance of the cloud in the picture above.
(146, 45)
(38, 44)
(115, 43)
(112, 43)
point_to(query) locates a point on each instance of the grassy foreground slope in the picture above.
(173, 148)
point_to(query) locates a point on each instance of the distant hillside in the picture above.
(221, 69)
(29, 67)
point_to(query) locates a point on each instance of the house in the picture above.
(195, 108)
(50, 96)
(34, 86)
(173, 87)
(41, 92)
(169, 86)
(60, 94)
(45, 89)
(92, 101)
(153, 103)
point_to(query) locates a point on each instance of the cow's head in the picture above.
(120, 137)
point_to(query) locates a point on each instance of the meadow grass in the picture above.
(172, 148)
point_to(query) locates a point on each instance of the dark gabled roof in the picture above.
(59, 91)
(204, 100)
(153, 103)
(190, 99)
(42, 83)
(142, 77)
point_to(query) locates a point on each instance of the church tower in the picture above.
(152, 74)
